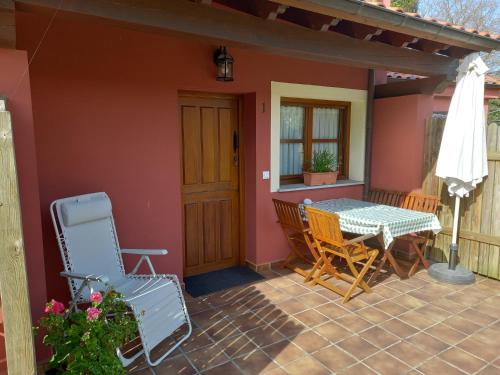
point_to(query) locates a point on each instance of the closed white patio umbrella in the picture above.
(462, 160)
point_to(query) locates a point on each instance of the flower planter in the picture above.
(314, 179)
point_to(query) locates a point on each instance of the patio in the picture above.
(283, 326)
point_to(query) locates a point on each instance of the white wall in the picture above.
(357, 132)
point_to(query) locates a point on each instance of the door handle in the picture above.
(236, 141)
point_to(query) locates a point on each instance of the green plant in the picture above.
(84, 342)
(323, 161)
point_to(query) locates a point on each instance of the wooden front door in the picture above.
(210, 182)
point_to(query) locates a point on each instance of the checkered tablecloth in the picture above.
(370, 218)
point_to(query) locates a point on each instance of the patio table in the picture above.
(385, 222)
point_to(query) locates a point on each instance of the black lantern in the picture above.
(224, 63)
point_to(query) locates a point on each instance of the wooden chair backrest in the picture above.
(387, 197)
(421, 202)
(289, 215)
(325, 226)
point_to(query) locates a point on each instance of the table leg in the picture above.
(394, 263)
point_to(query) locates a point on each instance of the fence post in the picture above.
(13, 278)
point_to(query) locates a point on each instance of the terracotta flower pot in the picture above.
(326, 178)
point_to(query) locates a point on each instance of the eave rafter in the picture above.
(238, 28)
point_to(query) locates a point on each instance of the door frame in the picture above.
(241, 169)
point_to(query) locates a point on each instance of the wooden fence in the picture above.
(479, 235)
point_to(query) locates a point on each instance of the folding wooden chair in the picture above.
(298, 237)
(418, 242)
(387, 197)
(325, 229)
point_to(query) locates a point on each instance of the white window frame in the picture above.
(357, 98)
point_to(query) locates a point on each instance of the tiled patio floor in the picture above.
(283, 326)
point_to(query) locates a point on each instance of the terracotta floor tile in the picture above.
(424, 295)
(417, 319)
(354, 322)
(476, 317)
(435, 366)
(385, 364)
(445, 333)
(488, 336)
(255, 362)
(408, 353)
(207, 357)
(310, 341)
(198, 339)
(221, 330)
(289, 326)
(333, 310)
(435, 313)
(305, 365)
(296, 290)
(400, 286)
(465, 299)
(489, 370)
(373, 315)
(408, 301)
(357, 347)
(196, 306)
(399, 328)
(248, 321)
(379, 337)
(265, 335)
(283, 352)
(386, 292)
(448, 305)
(334, 358)
(428, 343)
(479, 349)
(311, 317)
(312, 299)
(462, 360)
(177, 365)
(333, 331)
(462, 325)
(370, 298)
(292, 306)
(236, 346)
(225, 369)
(358, 369)
(391, 308)
(353, 304)
(281, 282)
(329, 295)
(234, 309)
(276, 371)
(270, 313)
(208, 317)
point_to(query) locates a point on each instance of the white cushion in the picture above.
(78, 212)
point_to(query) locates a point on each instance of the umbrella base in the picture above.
(460, 275)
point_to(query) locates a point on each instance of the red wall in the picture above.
(105, 108)
(398, 141)
(15, 86)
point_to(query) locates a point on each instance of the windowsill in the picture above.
(340, 183)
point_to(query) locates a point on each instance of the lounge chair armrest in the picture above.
(360, 239)
(82, 276)
(144, 251)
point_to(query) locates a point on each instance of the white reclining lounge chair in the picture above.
(92, 260)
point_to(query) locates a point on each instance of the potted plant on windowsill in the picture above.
(323, 169)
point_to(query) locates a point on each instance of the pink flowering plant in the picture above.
(85, 341)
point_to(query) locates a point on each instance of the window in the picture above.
(312, 125)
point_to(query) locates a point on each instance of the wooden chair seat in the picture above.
(419, 241)
(325, 229)
(298, 235)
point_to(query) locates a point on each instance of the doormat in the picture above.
(215, 281)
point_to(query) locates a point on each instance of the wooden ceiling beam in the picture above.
(7, 24)
(429, 46)
(386, 19)
(310, 20)
(395, 39)
(260, 8)
(232, 28)
(423, 86)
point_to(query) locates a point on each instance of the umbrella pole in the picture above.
(454, 247)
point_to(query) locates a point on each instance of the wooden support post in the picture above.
(13, 280)
(7, 24)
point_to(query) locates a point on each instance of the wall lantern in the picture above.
(224, 63)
